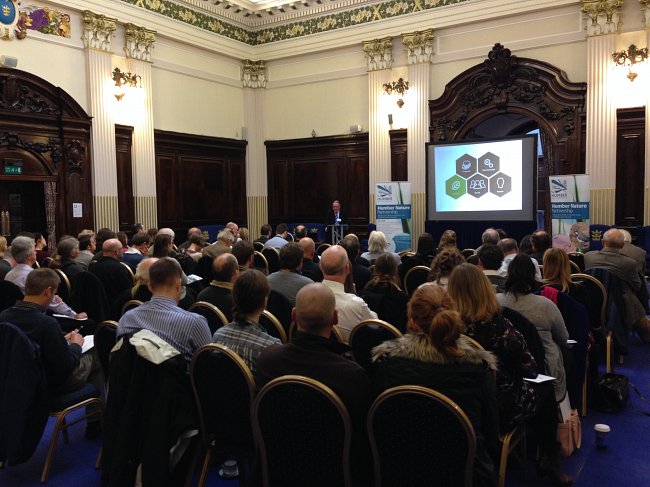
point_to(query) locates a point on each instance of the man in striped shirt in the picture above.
(184, 331)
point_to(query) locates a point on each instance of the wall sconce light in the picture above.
(400, 87)
(123, 80)
(629, 58)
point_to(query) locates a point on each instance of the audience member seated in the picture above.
(185, 331)
(633, 252)
(140, 290)
(442, 265)
(152, 249)
(288, 280)
(424, 255)
(310, 269)
(243, 252)
(435, 354)
(224, 242)
(490, 236)
(540, 241)
(103, 234)
(352, 310)
(192, 231)
(490, 258)
(265, 233)
(225, 271)
(138, 250)
(612, 258)
(542, 312)
(312, 354)
(360, 272)
(244, 335)
(42, 252)
(65, 259)
(87, 247)
(384, 295)
(447, 239)
(378, 245)
(137, 228)
(195, 247)
(6, 261)
(510, 249)
(233, 228)
(114, 276)
(66, 369)
(280, 239)
(244, 235)
(299, 233)
(24, 253)
(121, 236)
(557, 274)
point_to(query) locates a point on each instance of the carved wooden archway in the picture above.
(46, 131)
(504, 83)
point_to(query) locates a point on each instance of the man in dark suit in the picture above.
(361, 274)
(265, 233)
(335, 216)
(310, 268)
(312, 354)
(114, 276)
(612, 258)
(225, 270)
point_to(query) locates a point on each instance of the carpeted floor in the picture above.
(624, 464)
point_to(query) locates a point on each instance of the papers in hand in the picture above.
(540, 378)
(89, 342)
(193, 278)
(68, 317)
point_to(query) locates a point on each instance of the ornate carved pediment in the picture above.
(504, 83)
(13, 141)
(19, 97)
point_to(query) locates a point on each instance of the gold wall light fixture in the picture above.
(123, 80)
(633, 55)
(400, 87)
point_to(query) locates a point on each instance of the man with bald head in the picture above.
(225, 270)
(625, 268)
(114, 275)
(310, 268)
(190, 232)
(312, 354)
(352, 310)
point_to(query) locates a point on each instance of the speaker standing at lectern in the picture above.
(335, 216)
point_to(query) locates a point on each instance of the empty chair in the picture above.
(303, 431)
(420, 437)
(260, 263)
(367, 335)
(216, 319)
(258, 246)
(224, 390)
(280, 306)
(104, 341)
(273, 326)
(273, 258)
(579, 260)
(415, 277)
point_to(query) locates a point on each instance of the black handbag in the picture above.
(611, 393)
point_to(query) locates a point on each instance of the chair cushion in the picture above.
(62, 401)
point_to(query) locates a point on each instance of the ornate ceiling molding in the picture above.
(603, 16)
(138, 42)
(97, 31)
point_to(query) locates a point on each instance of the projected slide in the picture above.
(479, 177)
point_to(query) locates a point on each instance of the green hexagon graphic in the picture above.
(456, 186)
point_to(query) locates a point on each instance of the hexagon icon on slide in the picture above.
(477, 185)
(500, 184)
(488, 164)
(455, 187)
(465, 165)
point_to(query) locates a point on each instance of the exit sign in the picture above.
(13, 170)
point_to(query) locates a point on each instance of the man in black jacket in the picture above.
(114, 276)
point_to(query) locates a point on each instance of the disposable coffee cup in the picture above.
(602, 431)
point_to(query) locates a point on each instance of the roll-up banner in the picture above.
(570, 211)
(393, 213)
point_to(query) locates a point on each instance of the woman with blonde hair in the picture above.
(435, 354)
(557, 269)
(447, 239)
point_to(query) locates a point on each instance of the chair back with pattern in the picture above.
(272, 256)
(216, 319)
(420, 437)
(415, 277)
(224, 390)
(309, 442)
(366, 336)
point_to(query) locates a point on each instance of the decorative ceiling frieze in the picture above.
(269, 24)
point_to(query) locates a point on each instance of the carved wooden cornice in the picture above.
(253, 74)
(138, 42)
(603, 16)
(97, 31)
(379, 53)
(18, 97)
(419, 45)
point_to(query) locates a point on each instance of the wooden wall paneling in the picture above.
(125, 200)
(306, 175)
(398, 155)
(202, 180)
(630, 165)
